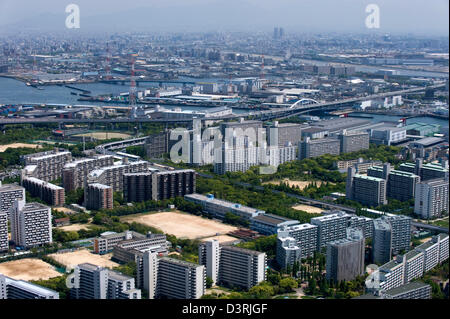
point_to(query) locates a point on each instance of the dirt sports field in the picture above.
(71, 259)
(308, 209)
(105, 135)
(28, 269)
(181, 225)
(300, 184)
(74, 227)
(17, 145)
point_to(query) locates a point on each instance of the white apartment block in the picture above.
(209, 255)
(330, 227)
(288, 252)
(8, 195)
(431, 199)
(3, 232)
(150, 273)
(47, 166)
(414, 261)
(305, 236)
(430, 251)
(31, 224)
(20, 289)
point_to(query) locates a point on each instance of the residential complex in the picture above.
(353, 141)
(365, 189)
(431, 198)
(4, 241)
(305, 236)
(47, 166)
(233, 266)
(98, 196)
(8, 195)
(330, 227)
(138, 187)
(345, 257)
(74, 173)
(314, 148)
(31, 224)
(50, 193)
(20, 289)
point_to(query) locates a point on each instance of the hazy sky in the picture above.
(424, 17)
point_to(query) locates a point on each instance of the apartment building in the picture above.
(314, 148)
(330, 228)
(47, 166)
(113, 175)
(8, 195)
(365, 223)
(431, 198)
(20, 289)
(233, 266)
(353, 141)
(268, 224)
(131, 249)
(401, 232)
(427, 171)
(400, 185)
(98, 196)
(288, 252)
(382, 241)
(284, 134)
(4, 241)
(306, 236)
(412, 290)
(365, 189)
(345, 257)
(414, 263)
(94, 282)
(48, 192)
(241, 267)
(178, 279)
(361, 165)
(138, 187)
(74, 173)
(31, 224)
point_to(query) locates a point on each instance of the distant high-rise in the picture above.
(8, 195)
(431, 198)
(3, 231)
(382, 241)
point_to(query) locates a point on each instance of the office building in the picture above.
(330, 228)
(20, 289)
(74, 173)
(178, 279)
(49, 193)
(94, 282)
(364, 189)
(382, 241)
(31, 224)
(345, 257)
(47, 166)
(98, 196)
(313, 148)
(4, 241)
(431, 198)
(138, 187)
(241, 267)
(288, 252)
(306, 236)
(8, 195)
(353, 141)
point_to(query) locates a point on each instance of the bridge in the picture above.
(127, 80)
(287, 110)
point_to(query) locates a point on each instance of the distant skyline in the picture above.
(418, 17)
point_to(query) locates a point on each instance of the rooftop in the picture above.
(405, 288)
